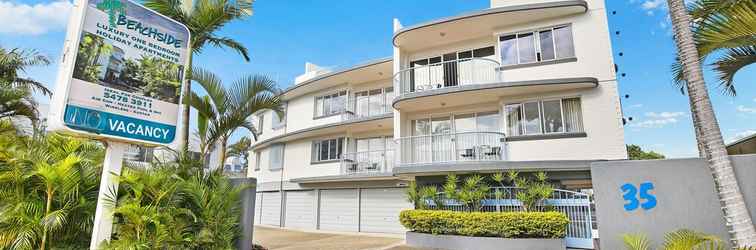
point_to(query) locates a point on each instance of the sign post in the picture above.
(111, 169)
(119, 82)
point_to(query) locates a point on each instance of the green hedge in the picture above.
(486, 224)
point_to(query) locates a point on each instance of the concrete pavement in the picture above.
(275, 239)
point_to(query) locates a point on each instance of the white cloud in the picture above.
(654, 123)
(664, 114)
(635, 106)
(24, 19)
(652, 4)
(650, 13)
(744, 109)
(754, 99)
(658, 120)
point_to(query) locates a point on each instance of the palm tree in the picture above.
(241, 148)
(14, 62)
(16, 91)
(203, 19)
(725, 29)
(171, 206)
(680, 239)
(708, 133)
(49, 188)
(224, 110)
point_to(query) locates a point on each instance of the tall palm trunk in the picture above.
(224, 142)
(47, 212)
(736, 214)
(186, 90)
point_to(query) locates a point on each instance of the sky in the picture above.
(283, 35)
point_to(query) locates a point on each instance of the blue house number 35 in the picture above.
(638, 197)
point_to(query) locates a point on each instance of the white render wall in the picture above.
(605, 135)
(600, 105)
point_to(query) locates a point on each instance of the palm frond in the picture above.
(211, 83)
(730, 63)
(685, 239)
(636, 241)
(731, 27)
(232, 44)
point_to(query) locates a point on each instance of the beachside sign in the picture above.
(121, 75)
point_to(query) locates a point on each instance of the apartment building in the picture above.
(524, 85)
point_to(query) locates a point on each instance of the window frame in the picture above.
(260, 123)
(542, 124)
(276, 146)
(452, 117)
(329, 96)
(536, 32)
(257, 160)
(282, 122)
(315, 149)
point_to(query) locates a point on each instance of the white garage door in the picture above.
(258, 206)
(300, 209)
(271, 209)
(339, 210)
(380, 210)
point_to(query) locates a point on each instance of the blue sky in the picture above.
(283, 35)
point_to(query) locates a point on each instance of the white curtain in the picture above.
(572, 115)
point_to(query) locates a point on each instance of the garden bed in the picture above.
(432, 241)
(484, 230)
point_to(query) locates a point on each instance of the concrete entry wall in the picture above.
(659, 196)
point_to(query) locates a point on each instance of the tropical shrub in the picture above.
(49, 184)
(483, 224)
(471, 193)
(683, 239)
(175, 205)
(533, 191)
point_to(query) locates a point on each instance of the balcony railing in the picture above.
(452, 147)
(448, 74)
(379, 161)
(367, 106)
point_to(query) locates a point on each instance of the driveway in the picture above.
(274, 239)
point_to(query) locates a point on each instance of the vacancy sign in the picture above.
(121, 74)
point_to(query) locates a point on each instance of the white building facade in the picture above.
(524, 85)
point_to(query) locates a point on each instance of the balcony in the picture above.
(363, 107)
(367, 162)
(451, 148)
(447, 75)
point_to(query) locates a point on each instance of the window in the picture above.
(257, 160)
(260, 122)
(276, 155)
(330, 104)
(470, 122)
(544, 117)
(536, 46)
(373, 102)
(279, 122)
(327, 150)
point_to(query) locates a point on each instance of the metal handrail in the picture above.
(361, 162)
(451, 147)
(352, 111)
(481, 70)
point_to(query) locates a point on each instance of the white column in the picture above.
(111, 170)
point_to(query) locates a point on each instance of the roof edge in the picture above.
(337, 72)
(490, 11)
